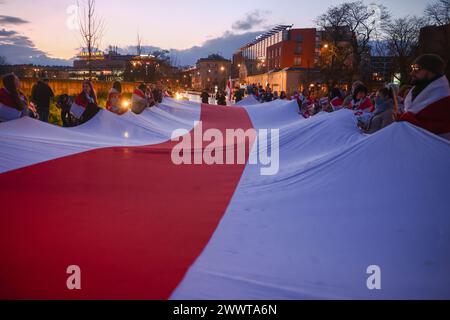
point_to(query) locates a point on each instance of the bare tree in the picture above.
(336, 54)
(358, 24)
(91, 29)
(402, 38)
(438, 13)
(2, 61)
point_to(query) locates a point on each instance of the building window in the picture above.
(299, 38)
(298, 50)
(297, 61)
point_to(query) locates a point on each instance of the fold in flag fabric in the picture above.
(107, 197)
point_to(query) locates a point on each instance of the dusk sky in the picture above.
(44, 26)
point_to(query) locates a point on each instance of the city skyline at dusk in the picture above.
(32, 32)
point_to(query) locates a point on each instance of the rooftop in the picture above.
(268, 34)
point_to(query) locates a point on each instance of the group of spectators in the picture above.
(221, 96)
(265, 94)
(74, 110)
(425, 103)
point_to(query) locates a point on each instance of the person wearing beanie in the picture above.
(428, 103)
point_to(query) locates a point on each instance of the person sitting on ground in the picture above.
(428, 103)
(64, 104)
(205, 97)
(337, 102)
(13, 103)
(114, 102)
(85, 106)
(41, 94)
(385, 110)
(283, 95)
(139, 99)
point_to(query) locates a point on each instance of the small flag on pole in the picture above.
(229, 89)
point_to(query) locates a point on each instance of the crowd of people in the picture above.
(221, 96)
(426, 103)
(74, 110)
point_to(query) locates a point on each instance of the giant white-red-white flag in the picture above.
(106, 197)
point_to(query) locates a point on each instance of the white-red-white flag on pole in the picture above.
(229, 89)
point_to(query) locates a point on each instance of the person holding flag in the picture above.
(229, 90)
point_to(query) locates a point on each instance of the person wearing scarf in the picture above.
(139, 99)
(336, 102)
(362, 105)
(428, 103)
(85, 106)
(114, 102)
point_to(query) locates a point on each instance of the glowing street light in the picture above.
(126, 104)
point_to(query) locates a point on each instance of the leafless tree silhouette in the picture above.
(92, 28)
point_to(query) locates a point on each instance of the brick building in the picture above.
(211, 72)
(283, 57)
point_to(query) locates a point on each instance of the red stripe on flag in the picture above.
(129, 218)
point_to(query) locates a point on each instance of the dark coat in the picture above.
(41, 95)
